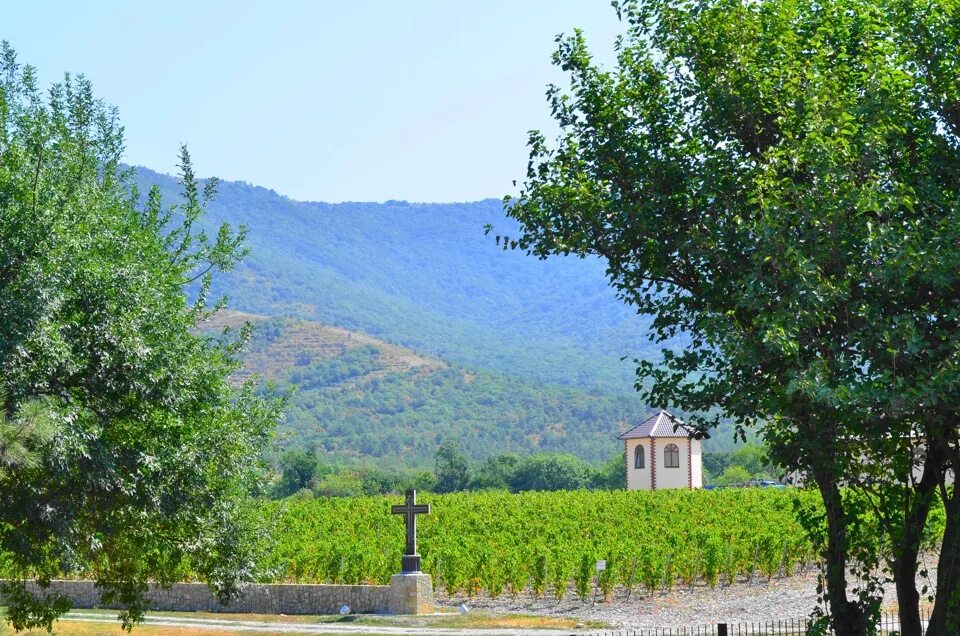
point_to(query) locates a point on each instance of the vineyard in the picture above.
(501, 543)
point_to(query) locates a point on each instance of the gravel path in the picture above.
(777, 599)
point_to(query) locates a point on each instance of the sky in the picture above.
(321, 100)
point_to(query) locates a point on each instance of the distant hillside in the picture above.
(282, 344)
(358, 399)
(426, 277)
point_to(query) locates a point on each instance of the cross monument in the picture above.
(411, 560)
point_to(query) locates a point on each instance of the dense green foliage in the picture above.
(300, 473)
(124, 452)
(424, 276)
(22, 438)
(748, 462)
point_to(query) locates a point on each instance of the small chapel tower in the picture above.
(662, 454)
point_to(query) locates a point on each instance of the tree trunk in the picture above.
(945, 618)
(905, 563)
(908, 598)
(847, 617)
(905, 570)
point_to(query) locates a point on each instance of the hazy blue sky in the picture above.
(320, 100)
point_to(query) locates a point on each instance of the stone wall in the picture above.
(257, 599)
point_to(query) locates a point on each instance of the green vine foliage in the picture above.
(546, 541)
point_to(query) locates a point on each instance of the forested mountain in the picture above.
(357, 399)
(425, 276)
(402, 324)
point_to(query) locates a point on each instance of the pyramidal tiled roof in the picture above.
(660, 424)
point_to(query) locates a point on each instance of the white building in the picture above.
(661, 454)
(918, 450)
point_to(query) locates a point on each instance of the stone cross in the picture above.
(410, 510)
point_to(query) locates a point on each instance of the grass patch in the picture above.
(72, 628)
(474, 619)
(104, 623)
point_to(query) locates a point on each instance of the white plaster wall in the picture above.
(697, 474)
(801, 478)
(638, 479)
(920, 453)
(672, 477)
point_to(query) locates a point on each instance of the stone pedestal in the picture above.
(411, 593)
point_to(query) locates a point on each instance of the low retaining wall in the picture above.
(256, 599)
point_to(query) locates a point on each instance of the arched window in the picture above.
(638, 457)
(671, 456)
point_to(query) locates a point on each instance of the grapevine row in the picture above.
(501, 543)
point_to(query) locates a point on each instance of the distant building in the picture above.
(661, 454)
(918, 450)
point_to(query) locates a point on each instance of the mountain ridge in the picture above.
(425, 276)
(401, 324)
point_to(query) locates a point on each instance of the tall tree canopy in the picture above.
(124, 452)
(777, 181)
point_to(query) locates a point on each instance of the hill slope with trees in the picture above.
(357, 399)
(425, 276)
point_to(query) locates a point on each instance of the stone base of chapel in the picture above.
(411, 593)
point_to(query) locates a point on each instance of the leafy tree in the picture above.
(420, 480)
(150, 459)
(453, 467)
(339, 484)
(298, 468)
(777, 182)
(716, 463)
(497, 472)
(552, 471)
(733, 475)
(379, 482)
(752, 458)
(611, 475)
